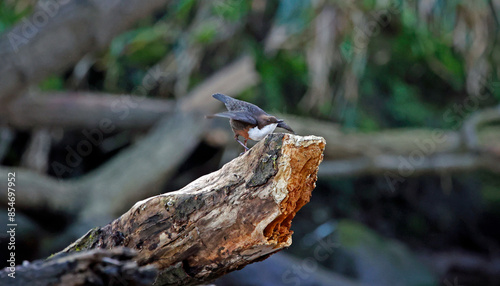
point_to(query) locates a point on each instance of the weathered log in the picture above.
(95, 267)
(222, 221)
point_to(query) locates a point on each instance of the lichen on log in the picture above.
(222, 221)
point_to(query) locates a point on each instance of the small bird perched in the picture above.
(248, 120)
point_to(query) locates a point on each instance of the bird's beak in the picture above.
(283, 125)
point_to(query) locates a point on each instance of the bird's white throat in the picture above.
(258, 134)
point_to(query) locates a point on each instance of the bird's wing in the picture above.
(222, 97)
(237, 115)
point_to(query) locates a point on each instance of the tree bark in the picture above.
(95, 267)
(222, 221)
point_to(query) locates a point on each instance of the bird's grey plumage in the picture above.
(237, 115)
(235, 105)
(244, 111)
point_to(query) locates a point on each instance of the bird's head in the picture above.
(282, 124)
(269, 119)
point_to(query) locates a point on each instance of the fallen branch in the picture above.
(78, 110)
(403, 141)
(223, 221)
(406, 166)
(471, 125)
(96, 267)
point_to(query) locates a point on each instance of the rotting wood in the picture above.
(222, 221)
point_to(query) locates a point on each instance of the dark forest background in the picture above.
(406, 94)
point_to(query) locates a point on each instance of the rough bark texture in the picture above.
(95, 267)
(223, 221)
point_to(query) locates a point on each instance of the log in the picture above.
(222, 221)
(78, 110)
(94, 267)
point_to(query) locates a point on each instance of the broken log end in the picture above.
(222, 221)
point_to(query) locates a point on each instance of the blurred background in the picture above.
(101, 109)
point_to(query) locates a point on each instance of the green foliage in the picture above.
(9, 14)
(296, 15)
(205, 33)
(405, 105)
(132, 53)
(232, 10)
(494, 88)
(142, 46)
(52, 83)
(366, 122)
(280, 76)
(489, 191)
(183, 8)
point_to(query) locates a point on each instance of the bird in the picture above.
(248, 120)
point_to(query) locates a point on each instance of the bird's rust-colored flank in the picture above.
(248, 120)
(240, 129)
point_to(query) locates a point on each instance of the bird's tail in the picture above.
(222, 97)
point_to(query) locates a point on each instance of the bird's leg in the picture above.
(244, 145)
